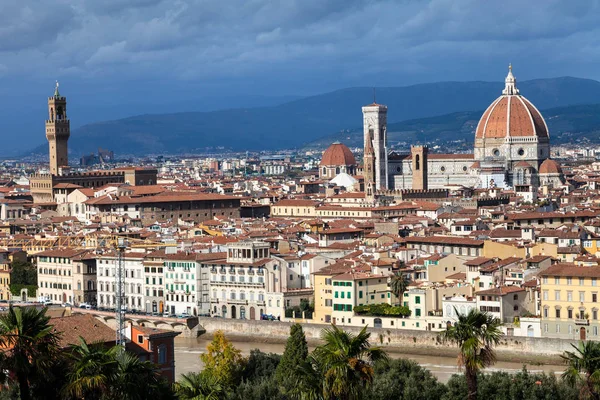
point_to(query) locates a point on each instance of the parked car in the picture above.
(184, 315)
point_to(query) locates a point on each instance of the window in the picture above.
(557, 328)
(595, 314)
(557, 295)
(545, 280)
(417, 312)
(557, 312)
(140, 338)
(569, 280)
(595, 330)
(581, 281)
(545, 295)
(417, 299)
(594, 297)
(569, 295)
(570, 314)
(582, 296)
(546, 312)
(594, 282)
(556, 280)
(162, 354)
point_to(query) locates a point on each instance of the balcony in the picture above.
(238, 301)
(213, 270)
(241, 272)
(222, 271)
(251, 272)
(260, 273)
(582, 322)
(232, 271)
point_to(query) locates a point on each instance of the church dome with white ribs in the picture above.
(511, 116)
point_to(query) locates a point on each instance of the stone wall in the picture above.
(511, 348)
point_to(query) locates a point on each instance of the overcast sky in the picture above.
(176, 52)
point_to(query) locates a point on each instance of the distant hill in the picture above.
(305, 120)
(571, 124)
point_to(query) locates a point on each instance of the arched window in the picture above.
(417, 162)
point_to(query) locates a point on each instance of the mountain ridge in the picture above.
(295, 123)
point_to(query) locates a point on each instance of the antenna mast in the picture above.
(120, 292)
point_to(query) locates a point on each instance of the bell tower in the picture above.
(375, 145)
(58, 131)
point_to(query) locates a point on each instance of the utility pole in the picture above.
(120, 292)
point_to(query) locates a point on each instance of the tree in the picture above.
(404, 379)
(295, 353)
(107, 373)
(476, 334)
(92, 370)
(222, 360)
(136, 379)
(260, 365)
(346, 361)
(23, 273)
(31, 345)
(583, 367)
(398, 285)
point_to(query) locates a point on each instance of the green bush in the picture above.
(382, 310)
(15, 289)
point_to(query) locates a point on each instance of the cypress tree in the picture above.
(295, 353)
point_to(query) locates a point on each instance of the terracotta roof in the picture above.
(568, 269)
(550, 167)
(511, 116)
(453, 240)
(502, 290)
(337, 154)
(84, 325)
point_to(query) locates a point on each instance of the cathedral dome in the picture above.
(337, 154)
(550, 167)
(511, 115)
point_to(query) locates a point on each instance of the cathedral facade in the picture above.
(511, 145)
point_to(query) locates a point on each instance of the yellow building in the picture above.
(504, 250)
(569, 301)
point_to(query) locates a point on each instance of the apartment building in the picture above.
(246, 283)
(187, 282)
(55, 274)
(569, 301)
(133, 264)
(154, 286)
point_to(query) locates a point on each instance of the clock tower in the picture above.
(58, 131)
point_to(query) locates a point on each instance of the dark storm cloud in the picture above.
(335, 41)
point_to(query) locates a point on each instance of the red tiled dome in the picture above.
(337, 154)
(550, 167)
(511, 115)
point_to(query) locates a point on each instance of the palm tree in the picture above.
(30, 342)
(583, 367)
(92, 370)
(346, 361)
(307, 379)
(199, 386)
(398, 284)
(476, 334)
(136, 379)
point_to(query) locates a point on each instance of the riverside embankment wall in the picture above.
(510, 348)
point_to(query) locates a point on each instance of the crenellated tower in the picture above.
(58, 131)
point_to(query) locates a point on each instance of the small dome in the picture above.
(511, 115)
(550, 167)
(337, 154)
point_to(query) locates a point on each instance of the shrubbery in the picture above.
(382, 310)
